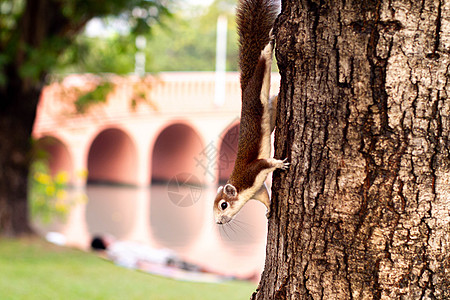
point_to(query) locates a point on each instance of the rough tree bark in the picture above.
(364, 119)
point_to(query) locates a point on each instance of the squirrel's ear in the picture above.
(220, 189)
(230, 190)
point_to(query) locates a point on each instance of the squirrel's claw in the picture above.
(286, 164)
(282, 164)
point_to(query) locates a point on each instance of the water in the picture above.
(170, 216)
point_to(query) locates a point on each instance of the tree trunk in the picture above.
(17, 115)
(364, 119)
(43, 31)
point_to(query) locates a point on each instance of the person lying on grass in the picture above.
(163, 262)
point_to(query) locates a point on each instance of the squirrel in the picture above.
(255, 20)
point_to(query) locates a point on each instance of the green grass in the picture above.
(33, 269)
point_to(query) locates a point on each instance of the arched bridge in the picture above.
(148, 129)
(163, 128)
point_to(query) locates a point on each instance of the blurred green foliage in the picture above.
(112, 54)
(34, 33)
(97, 95)
(189, 43)
(182, 41)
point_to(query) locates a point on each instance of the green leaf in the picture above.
(98, 95)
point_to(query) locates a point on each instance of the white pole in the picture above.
(139, 57)
(221, 59)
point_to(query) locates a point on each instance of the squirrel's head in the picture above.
(226, 204)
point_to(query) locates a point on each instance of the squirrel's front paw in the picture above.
(282, 164)
(285, 164)
(278, 163)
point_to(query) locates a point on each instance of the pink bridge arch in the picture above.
(57, 153)
(112, 158)
(175, 152)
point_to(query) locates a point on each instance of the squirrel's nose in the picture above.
(223, 220)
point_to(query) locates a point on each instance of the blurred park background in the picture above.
(136, 126)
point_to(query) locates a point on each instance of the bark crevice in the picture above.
(363, 120)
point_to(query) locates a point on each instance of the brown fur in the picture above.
(225, 197)
(255, 19)
(249, 132)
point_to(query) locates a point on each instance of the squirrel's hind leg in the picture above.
(262, 195)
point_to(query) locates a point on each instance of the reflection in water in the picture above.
(152, 215)
(110, 209)
(171, 224)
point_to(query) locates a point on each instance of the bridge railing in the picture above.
(131, 96)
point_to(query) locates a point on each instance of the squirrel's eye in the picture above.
(223, 205)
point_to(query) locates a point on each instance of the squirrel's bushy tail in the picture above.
(255, 19)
